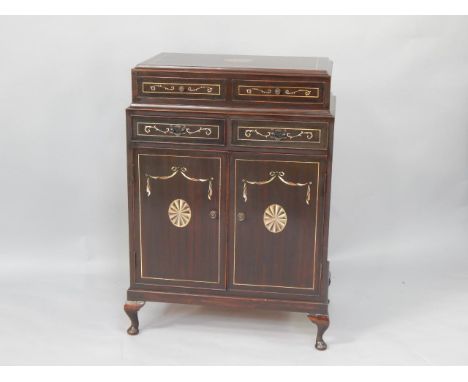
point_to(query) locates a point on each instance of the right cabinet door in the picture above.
(277, 215)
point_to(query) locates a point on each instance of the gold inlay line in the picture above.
(309, 133)
(140, 224)
(179, 130)
(275, 175)
(235, 226)
(182, 171)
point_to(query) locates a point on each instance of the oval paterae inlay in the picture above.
(179, 213)
(275, 218)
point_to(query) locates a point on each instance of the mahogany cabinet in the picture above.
(229, 172)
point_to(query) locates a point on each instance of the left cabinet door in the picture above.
(179, 219)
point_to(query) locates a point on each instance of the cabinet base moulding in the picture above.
(229, 301)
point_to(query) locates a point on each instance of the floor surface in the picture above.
(382, 313)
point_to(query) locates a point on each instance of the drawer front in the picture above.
(279, 91)
(185, 88)
(178, 130)
(280, 134)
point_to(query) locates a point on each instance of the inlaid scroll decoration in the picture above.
(155, 87)
(182, 171)
(278, 91)
(178, 129)
(305, 92)
(279, 134)
(180, 88)
(258, 91)
(209, 89)
(280, 175)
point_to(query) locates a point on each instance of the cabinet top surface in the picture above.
(238, 62)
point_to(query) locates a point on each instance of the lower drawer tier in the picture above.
(177, 129)
(280, 134)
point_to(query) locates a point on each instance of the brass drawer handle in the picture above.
(178, 170)
(241, 216)
(178, 129)
(278, 134)
(275, 175)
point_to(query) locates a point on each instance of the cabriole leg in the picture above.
(322, 321)
(132, 308)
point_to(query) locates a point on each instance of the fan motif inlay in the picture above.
(179, 213)
(275, 218)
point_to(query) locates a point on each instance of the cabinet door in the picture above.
(277, 224)
(180, 219)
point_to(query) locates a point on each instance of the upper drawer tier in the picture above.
(231, 89)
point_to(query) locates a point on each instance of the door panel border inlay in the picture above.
(140, 254)
(317, 164)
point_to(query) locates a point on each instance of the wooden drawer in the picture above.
(178, 130)
(182, 88)
(280, 134)
(291, 92)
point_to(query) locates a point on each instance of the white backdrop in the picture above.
(399, 219)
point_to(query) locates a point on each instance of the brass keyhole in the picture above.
(241, 216)
(213, 214)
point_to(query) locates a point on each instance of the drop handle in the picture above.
(213, 214)
(278, 134)
(178, 129)
(241, 216)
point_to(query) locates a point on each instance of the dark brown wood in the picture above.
(132, 308)
(178, 129)
(229, 194)
(286, 262)
(191, 255)
(322, 321)
(263, 82)
(294, 134)
(241, 63)
(230, 300)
